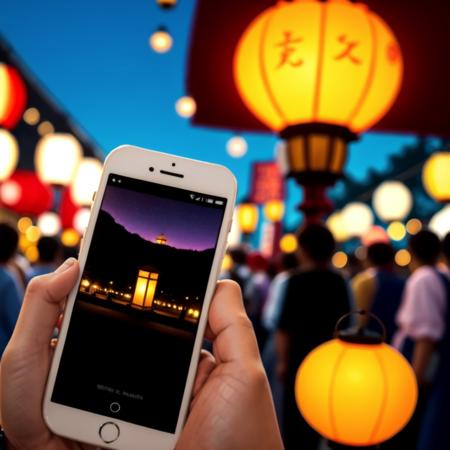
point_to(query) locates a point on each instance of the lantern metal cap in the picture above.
(359, 334)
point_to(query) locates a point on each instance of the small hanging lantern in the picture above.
(145, 289)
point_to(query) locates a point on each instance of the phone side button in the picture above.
(109, 432)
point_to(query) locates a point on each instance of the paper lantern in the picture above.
(57, 157)
(356, 390)
(247, 215)
(13, 96)
(161, 41)
(9, 154)
(392, 200)
(435, 176)
(86, 181)
(357, 219)
(25, 194)
(440, 222)
(304, 62)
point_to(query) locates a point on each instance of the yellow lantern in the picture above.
(304, 62)
(435, 176)
(248, 215)
(274, 210)
(56, 158)
(9, 154)
(145, 289)
(318, 73)
(86, 181)
(356, 390)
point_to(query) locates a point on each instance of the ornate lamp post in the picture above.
(318, 73)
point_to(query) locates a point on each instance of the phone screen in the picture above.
(130, 339)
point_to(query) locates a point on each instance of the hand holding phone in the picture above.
(231, 405)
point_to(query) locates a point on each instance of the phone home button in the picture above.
(109, 432)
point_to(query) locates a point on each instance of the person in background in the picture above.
(316, 297)
(256, 292)
(421, 324)
(434, 431)
(379, 289)
(50, 256)
(270, 318)
(10, 300)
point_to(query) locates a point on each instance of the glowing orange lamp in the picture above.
(435, 176)
(247, 215)
(13, 96)
(318, 73)
(356, 390)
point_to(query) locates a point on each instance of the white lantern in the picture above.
(9, 154)
(57, 157)
(336, 225)
(81, 220)
(49, 223)
(358, 219)
(186, 107)
(237, 146)
(392, 200)
(86, 181)
(440, 222)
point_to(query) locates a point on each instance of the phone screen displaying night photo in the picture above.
(134, 322)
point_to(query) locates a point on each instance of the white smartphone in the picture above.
(129, 344)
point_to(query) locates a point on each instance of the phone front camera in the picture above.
(151, 169)
(173, 164)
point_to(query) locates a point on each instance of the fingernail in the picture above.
(65, 265)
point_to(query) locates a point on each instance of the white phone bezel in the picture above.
(134, 162)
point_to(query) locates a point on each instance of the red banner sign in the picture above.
(267, 182)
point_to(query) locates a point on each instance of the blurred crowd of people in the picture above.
(16, 272)
(294, 303)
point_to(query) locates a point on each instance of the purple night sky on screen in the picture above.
(186, 225)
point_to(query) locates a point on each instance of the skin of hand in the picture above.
(231, 408)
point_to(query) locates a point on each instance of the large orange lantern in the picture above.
(435, 176)
(355, 390)
(318, 73)
(13, 96)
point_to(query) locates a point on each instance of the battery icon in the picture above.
(209, 200)
(219, 202)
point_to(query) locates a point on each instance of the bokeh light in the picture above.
(413, 226)
(161, 41)
(396, 231)
(237, 147)
(403, 257)
(339, 260)
(288, 243)
(186, 107)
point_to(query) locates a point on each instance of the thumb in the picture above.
(43, 302)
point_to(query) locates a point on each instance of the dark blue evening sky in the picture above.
(93, 56)
(186, 225)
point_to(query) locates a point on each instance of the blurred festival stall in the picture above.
(49, 168)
